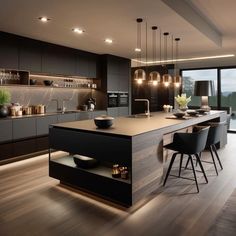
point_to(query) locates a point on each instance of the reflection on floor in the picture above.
(31, 203)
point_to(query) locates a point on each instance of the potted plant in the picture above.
(5, 98)
(183, 101)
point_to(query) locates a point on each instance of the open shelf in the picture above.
(98, 170)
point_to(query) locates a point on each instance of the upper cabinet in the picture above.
(30, 58)
(8, 51)
(86, 64)
(58, 60)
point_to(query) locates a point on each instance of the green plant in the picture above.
(5, 96)
(183, 100)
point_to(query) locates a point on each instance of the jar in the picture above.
(115, 171)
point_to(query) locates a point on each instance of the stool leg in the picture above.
(186, 166)
(201, 166)
(191, 160)
(180, 164)
(200, 155)
(169, 168)
(217, 156)
(213, 159)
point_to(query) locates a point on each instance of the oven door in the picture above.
(112, 99)
(123, 100)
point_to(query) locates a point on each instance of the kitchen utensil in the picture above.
(91, 102)
(27, 110)
(103, 121)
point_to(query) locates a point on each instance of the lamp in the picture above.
(154, 76)
(204, 88)
(166, 78)
(177, 77)
(139, 74)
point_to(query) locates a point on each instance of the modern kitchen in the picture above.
(117, 117)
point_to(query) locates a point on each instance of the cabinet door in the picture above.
(92, 65)
(58, 60)
(42, 124)
(123, 111)
(6, 130)
(8, 51)
(66, 117)
(113, 111)
(123, 83)
(113, 65)
(84, 115)
(112, 82)
(99, 113)
(30, 55)
(24, 128)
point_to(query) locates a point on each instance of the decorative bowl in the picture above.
(103, 122)
(85, 162)
(192, 113)
(179, 114)
(48, 82)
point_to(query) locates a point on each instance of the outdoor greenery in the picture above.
(5, 96)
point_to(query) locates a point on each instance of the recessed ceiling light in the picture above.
(78, 30)
(137, 49)
(44, 19)
(109, 41)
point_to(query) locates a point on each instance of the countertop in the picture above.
(130, 126)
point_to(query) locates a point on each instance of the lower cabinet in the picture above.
(66, 117)
(6, 130)
(118, 111)
(86, 115)
(123, 111)
(42, 124)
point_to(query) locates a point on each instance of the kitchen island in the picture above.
(136, 143)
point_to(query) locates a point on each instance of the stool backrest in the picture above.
(215, 133)
(192, 143)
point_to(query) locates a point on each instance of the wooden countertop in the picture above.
(130, 126)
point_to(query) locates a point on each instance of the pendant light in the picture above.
(166, 78)
(177, 77)
(139, 74)
(154, 76)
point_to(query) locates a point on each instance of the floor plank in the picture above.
(32, 203)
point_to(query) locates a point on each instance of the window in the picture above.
(190, 76)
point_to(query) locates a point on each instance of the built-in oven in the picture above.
(123, 99)
(112, 98)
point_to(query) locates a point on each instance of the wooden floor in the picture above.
(31, 203)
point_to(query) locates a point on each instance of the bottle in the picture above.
(115, 171)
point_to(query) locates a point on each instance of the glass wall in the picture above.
(190, 76)
(228, 92)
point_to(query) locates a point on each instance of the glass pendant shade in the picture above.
(139, 75)
(154, 78)
(166, 79)
(177, 80)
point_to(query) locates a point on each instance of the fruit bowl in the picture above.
(179, 114)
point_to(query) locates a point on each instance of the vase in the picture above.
(183, 108)
(3, 111)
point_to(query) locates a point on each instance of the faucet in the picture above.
(56, 100)
(147, 112)
(63, 109)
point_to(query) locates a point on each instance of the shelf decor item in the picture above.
(183, 101)
(5, 98)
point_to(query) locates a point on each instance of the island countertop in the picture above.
(131, 126)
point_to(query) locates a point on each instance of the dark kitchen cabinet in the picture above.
(66, 117)
(58, 60)
(42, 124)
(84, 115)
(123, 83)
(6, 130)
(123, 111)
(98, 113)
(24, 128)
(113, 111)
(113, 82)
(8, 51)
(30, 55)
(86, 64)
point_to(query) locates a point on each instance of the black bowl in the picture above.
(48, 82)
(179, 114)
(33, 81)
(103, 122)
(85, 162)
(192, 113)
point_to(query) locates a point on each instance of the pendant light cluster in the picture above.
(154, 76)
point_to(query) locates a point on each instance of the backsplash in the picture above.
(26, 96)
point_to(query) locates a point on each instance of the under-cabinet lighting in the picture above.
(44, 19)
(137, 49)
(185, 59)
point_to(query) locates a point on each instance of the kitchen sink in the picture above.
(142, 115)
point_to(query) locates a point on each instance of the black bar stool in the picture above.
(214, 136)
(189, 144)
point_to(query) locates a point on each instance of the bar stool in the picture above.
(214, 136)
(189, 144)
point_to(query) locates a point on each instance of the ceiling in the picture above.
(197, 22)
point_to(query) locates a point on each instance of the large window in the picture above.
(190, 76)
